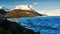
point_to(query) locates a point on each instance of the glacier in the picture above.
(44, 24)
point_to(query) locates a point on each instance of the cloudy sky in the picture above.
(37, 4)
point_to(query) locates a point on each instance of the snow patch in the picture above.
(22, 7)
(1, 7)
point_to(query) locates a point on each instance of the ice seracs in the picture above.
(22, 7)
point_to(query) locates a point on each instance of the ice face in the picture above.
(46, 25)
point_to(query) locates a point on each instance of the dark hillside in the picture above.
(7, 27)
(2, 12)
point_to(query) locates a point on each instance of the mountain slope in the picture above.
(22, 12)
(9, 27)
(2, 12)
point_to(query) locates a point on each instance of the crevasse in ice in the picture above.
(46, 25)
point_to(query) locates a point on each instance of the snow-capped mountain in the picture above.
(22, 11)
(22, 7)
(1, 7)
(27, 7)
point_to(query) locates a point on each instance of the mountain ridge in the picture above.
(18, 13)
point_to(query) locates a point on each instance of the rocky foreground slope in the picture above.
(8, 27)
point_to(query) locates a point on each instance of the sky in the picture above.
(37, 4)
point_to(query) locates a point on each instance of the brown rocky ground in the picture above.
(22, 13)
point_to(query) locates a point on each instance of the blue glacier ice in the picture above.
(44, 24)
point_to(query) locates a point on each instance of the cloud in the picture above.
(35, 3)
(51, 12)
